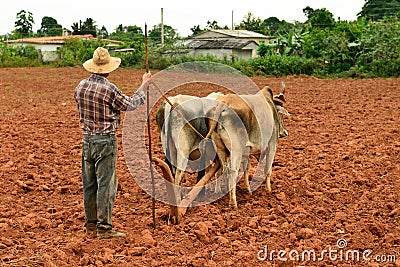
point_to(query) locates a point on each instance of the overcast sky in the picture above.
(180, 15)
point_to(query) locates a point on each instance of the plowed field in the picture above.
(335, 183)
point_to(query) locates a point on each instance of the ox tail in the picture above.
(218, 108)
(168, 136)
(212, 124)
(164, 168)
(206, 144)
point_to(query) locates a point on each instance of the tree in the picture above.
(308, 12)
(127, 33)
(87, 27)
(378, 9)
(120, 28)
(319, 18)
(291, 43)
(170, 34)
(380, 49)
(274, 26)
(211, 25)
(24, 23)
(135, 30)
(50, 27)
(103, 32)
(196, 30)
(252, 23)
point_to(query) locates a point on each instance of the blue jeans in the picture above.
(100, 183)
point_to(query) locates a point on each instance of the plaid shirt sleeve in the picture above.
(123, 102)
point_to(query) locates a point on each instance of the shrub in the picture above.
(281, 65)
(18, 56)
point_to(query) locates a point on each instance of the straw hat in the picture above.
(102, 62)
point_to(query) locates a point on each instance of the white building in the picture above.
(227, 43)
(48, 46)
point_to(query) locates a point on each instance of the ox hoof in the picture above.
(268, 188)
(233, 206)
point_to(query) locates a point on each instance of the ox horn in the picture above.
(280, 99)
(283, 88)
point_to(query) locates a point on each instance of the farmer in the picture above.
(99, 104)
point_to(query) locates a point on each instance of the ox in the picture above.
(181, 142)
(244, 125)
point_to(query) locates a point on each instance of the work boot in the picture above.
(107, 234)
(90, 229)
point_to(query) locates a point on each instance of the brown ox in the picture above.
(244, 125)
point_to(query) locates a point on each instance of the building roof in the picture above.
(59, 39)
(220, 44)
(241, 34)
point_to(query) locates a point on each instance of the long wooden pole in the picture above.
(153, 204)
(146, 47)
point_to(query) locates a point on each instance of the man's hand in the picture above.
(146, 77)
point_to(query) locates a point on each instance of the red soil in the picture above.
(336, 176)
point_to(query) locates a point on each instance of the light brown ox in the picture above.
(262, 122)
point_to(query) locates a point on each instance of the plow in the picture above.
(178, 210)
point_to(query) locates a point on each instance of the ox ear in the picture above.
(282, 110)
(268, 89)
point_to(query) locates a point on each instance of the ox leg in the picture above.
(178, 180)
(231, 188)
(177, 190)
(222, 157)
(202, 169)
(233, 176)
(246, 177)
(185, 143)
(234, 139)
(178, 176)
(270, 155)
(217, 188)
(182, 157)
(268, 182)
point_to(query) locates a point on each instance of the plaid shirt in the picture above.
(100, 102)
